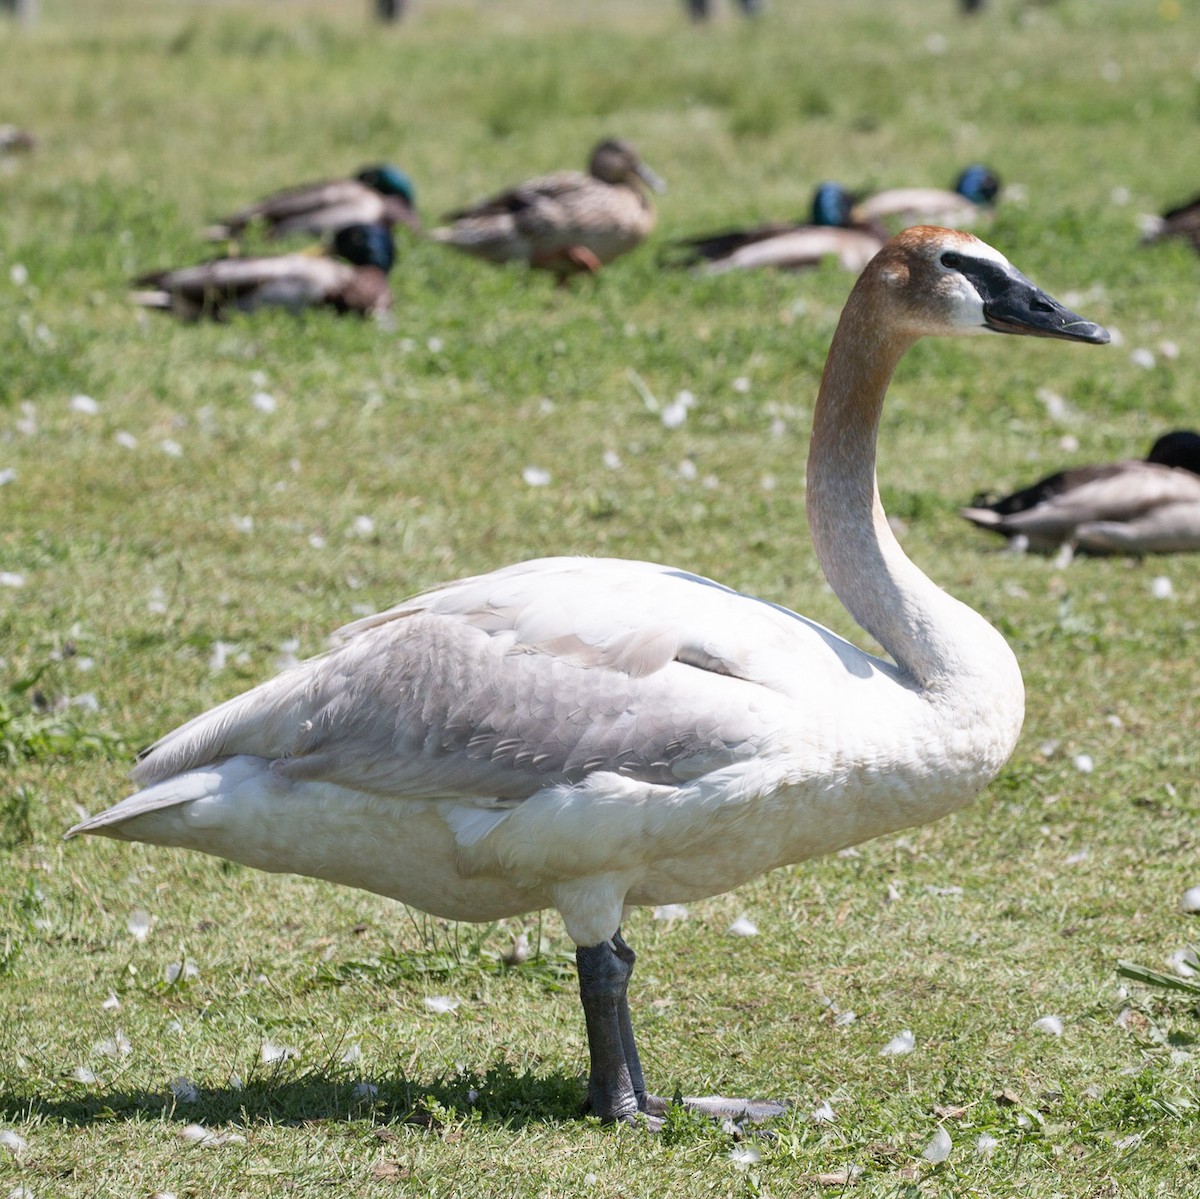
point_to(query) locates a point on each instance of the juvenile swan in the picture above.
(591, 734)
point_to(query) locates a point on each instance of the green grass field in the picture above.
(173, 540)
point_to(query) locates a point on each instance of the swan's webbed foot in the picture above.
(616, 1086)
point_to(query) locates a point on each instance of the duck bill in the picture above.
(1012, 304)
(650, 179)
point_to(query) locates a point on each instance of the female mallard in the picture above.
(1135, 506)
(566, 222)
(377, 195)
(352, 277)
(974, 193)
(785, 244)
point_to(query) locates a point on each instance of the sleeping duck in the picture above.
(785, 244)
(377, 195)
(1182, 221)
(1134, 506)
(566, 223)
(351, 277)
(972, 197)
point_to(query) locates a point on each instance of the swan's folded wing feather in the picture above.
(501, 685)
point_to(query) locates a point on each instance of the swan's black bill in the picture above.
(1011, 304)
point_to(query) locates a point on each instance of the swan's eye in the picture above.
(952, 260)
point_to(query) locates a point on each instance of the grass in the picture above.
(143, 569)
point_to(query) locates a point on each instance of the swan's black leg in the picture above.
(616, 1085)
(603, 980)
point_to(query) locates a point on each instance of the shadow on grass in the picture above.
(498, 1096)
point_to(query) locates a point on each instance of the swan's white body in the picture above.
(590, 734)
(572, 733)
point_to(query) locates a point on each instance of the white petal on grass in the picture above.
(1143, 358)
(744, 1156)
(362, 526)
(1052, 1026)
(115, 1046)
(84, 1075)
(19, 274)
(219, 654)
(986, 1144)
(184, 971)
(10, 578)
(1074, 859)
(1083, 763)
(112, 1003)
(272, 1053)
(84, 405)
(823, 1114)
(670, 912)
(1184, 962)
(138, 924)
(12, 1141)
(1161, 587)
(441, 1005)
(842, 1019)
(1169, 350)
(316, 541)
(741, 385)
(21, 1191)
(902, 1043)
(185, 1091)
(435, 345)
(352, 1055)
(125, 440)
(675, 413)
(171, 447)
(536, 476)
(1130, 1142)
(263, 401)
(1189, 901)
(743, 926)
(612, 460)
(687, 469)
(938, 1148)
(7, 475)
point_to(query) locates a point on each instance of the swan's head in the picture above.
(616, 161)
(945, 281)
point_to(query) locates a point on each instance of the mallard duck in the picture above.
(352, 277)
(1136, 506)
(784, 244)
(974, 193)
(377, 195)
(591, 734)
(13, 139)
(566, 222)
(1181, 221)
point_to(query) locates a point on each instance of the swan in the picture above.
(788, 245)
(566, 222)
(351, 277)
(381, 194)
(592, 734)
(1136, 506)
(975, 191)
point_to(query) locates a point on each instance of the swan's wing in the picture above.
(501, 685)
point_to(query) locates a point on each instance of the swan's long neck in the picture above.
(944, 647)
